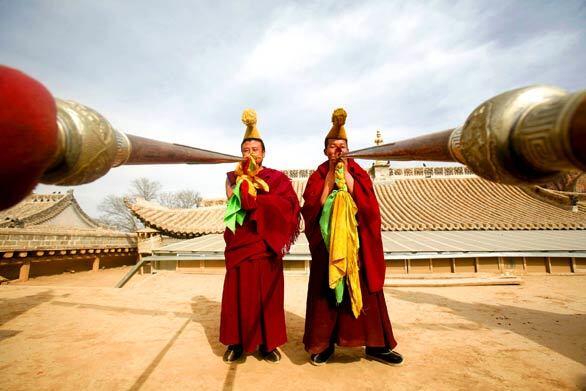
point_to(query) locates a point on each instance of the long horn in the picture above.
(524, 136)
(48, 140)
(429, 147)
(90, 147)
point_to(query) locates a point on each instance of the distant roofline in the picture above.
(429, 172)
(58, 202)
(396, 173)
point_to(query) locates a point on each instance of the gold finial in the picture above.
(378, 140)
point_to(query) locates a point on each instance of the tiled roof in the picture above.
(38, 208)
(407, 204)
(44, 222)
(183, 223)
(446, 204)
(188, 223)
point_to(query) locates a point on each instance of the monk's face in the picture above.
(253, 147)
(335, 148)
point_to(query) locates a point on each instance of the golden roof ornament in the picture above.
(379, 139)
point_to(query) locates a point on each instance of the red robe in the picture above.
(253, 297)
(326, 323)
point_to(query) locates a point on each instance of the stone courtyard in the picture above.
(75, 331)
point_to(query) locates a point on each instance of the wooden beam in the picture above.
(40, 253)
(130, 274)
(96, 264)
(141, 270)
(24, 272)
(8, 255)
(10, 262)
(476, 265)
(548, 264)
(22, 254)
(573, 264)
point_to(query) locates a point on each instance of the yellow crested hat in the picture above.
(338, 131)
(249, 119)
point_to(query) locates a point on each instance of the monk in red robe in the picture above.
(253, 314)
(327, 321)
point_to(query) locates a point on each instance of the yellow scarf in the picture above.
(250, 175)
(234, 214)
(344, 242)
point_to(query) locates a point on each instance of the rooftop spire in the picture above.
(378, 140)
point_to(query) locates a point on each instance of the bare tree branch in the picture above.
(145, 188)
(183, 199)
(116, 215)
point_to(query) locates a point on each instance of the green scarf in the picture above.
(234, 212)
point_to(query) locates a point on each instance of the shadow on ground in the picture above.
(542, 324)
(207, 313)
(11, 308)
(203, 311)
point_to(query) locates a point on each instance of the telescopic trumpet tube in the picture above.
(524, 136)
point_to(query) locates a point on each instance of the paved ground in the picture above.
(75, 331)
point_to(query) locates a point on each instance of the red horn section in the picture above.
(28, 134)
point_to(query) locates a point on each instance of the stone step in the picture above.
(454, 281)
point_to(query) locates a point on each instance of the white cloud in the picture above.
(296, 42)
(183, 73)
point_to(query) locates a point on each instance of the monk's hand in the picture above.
(245, 164)
(229, 189)
(330, 178)
(349, 180)
(332, 165)
(329, 184)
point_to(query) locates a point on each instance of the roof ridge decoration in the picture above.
(564, 199)
(129, 201)
(60, 206)
(298, 173)
(179, 223)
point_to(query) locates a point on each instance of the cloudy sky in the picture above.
(183, 71)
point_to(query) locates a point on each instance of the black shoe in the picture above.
(274, 356)
(384, 355)
(323, 357)
(233, 353)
